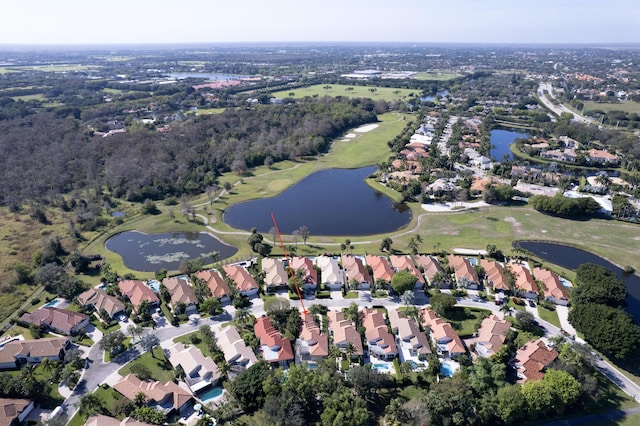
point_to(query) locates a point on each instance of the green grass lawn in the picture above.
(626, 106)
(37, 96)
(186, 340)
(351, 295)
(442, 76)
(160, 369)
(549, 316)
(466, 320)
(385, 93)
(207, 111)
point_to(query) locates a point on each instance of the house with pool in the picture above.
(235, 350)
(465, 273)
(200, 372)
(275, 349)
(245, 284)
(137, 292)
(182, 292)
(444, 337)
(216, 284)
(313, 344)
(554, 290)
(380, 342)
(411, 342)
(166, 397)
(59, 321)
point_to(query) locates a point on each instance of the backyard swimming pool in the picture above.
(52, 303)
(210, 393)
(154, 285)
(446, 369)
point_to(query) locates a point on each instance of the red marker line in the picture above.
(286, 256)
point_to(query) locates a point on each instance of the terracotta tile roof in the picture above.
(274, 272)
(491, 334)
(156, 392)
(463, 268)
(344, 331)
(381, 268)
(405, 263)
(532, 359)
(180, 290)
(217, 285)
(101, 300)
(11, 408)
(495, 274)
(553, 287)
(275, 348)
(377, 333)
(429, 264)
(137, 292)
(479, 184)
(316, 341)
(310, 275)
(58, 320)
(442, 332)
(523, 277)
(243, 280)
(49, 347)
(355, 269)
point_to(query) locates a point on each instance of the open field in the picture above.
(56, 68)
(386, 93)
(37, 97)
(443, 76)
(210, 111)
(626, 106)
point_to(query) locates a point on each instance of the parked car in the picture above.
(532, 303)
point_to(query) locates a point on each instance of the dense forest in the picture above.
(47, 155)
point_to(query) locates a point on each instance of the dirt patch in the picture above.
(517, 226)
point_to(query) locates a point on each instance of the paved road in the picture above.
(559, 108)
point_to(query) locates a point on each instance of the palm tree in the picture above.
(90, 404)
(224, 367)
(140, 399)
(506, 309)
(349, 350)
(241, 315)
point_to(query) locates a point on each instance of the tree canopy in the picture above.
(403, 281)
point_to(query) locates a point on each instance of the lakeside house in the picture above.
(405, 263)
(381, 343)
(309, 274)
(409, 339)
(18, 353)
(431, 268)
(14, 410)
(525, 285)
(216, 284)
(235, 350)
(57, 320)
(356, 272)
(382, 271)
(245, 284)
(137, 292)
(532, 359)
(465, 273)
(313, 344)
(276, 350)
(444, 337)
(491, 335)
(496, 278)
(167, 397)
(100, 301)
(200, 371)
(554, 291)
(344, 332)
(332, 275)
(182, 292)
(275, 275)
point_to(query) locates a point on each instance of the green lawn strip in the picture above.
(549, 316)
(385, 93)
(466, 320)
(186, 340)
(437, 76)
(516, 307)
(126, 344)
(53, 398)
(626, 106)
(77, 420)
(351, 295)
(207, 111)
(160, 368)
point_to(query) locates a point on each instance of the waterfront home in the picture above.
(200, 371)
(356, 272)
(525, 285)
(216, 284)
(275, 274)
(431, 267)
(491, 335)
(405, 263)
(18, 353)
(309, 274)
(100, 301)
(465, 273)
(57, 320)
(137, 292)
(409, 337)
(246, 285)
(167, 397)
(182, 292)
(496, 278)
(532, 359)
(275, 349)
(235, 350)
(554, 291)
(344, 332)
(444, 337)
(601, 157)
(380, 342)
(332, 275)
(382, 271)
(312, 344)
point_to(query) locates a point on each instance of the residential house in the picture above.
(216, 284)
(444, 337)
(405, 263)
(566, 155)
(167, 397)
(182, 292)
(525, 285)
(137, 292)
(243, 280)
(332, 275)
(275, 348)
(409, 337)
(554, 291)
(465, 273)
(57, 320)
(22, 352)
(496, 277)
(380, 342)
(312, 344)
(344, 332)
(431, 267)
(14, 410)
(309, 274)
(532, 359)
(102, 420)
(275, 275)
(491, 335)
(356, 272)
(382, 271)
(101, 301)
(601, 157)
(235, 350)
(200, 371)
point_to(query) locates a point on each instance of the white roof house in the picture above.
(234, 349)
(274, 273)
(199, 370)
(332, 275)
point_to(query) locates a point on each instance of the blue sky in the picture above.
(211, 21)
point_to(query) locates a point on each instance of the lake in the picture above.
(500, 142)
(571, 258)
(151, 252)
(434, 97)
(329, 202)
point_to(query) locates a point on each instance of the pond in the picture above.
(571, 258)
(151, 252)
(329, 202)
(432, 98)
(500, 142)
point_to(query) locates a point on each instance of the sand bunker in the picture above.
(366, 128)
(350, 135)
